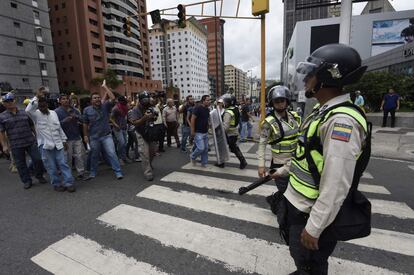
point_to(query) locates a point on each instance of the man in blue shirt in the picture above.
(390, 103)
(97, 133)
(70, 120)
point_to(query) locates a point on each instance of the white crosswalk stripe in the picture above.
(77, 255)
(230, 249)
(381, 239)
(238, 252)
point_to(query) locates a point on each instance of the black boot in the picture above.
(239, 155)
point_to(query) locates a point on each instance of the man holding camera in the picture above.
(142, 117)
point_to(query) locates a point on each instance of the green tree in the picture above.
(76, 90)
(373, 86)
(111, 79)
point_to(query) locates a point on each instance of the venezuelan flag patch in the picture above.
(342, 132)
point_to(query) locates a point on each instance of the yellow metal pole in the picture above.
(263, 68)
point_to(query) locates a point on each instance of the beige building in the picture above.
(235, 80)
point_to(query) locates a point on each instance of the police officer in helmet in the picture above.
(280, 130)
(231, 120)
(332, 140)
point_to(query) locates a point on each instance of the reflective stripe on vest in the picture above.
(300, 175)
(289, 142)
(233, 125)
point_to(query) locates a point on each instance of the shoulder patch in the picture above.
(341, 132)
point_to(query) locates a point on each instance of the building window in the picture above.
(19, 43)
(13, 5)
(56, 7)
(36, 15)
(71, 69)
(43, 66)
(25, 81)
(22, 62)
(66, 31)
(16, 24)
(95, 46)
(62, 57)
(68, 44)
(63, 5)
(64, 70)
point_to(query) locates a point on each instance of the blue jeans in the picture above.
(55, 161)
(19, 156)
(249, 129)
(106, 146)
(200, 147)
(185, 133)
(244, 130)
(121, 142)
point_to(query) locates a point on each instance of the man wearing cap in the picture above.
(17, 129)
(119, 123)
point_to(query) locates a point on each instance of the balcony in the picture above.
(34, 4)
(44, 72)
(42, 56)
(39, 39)
(37, 21)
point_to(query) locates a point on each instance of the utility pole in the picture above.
(263, 68)
(216, 55)
(345, 26)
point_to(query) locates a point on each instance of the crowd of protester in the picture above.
(69, 142)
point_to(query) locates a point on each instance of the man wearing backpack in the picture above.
(280, 130)
(333, 151)
(231, 120)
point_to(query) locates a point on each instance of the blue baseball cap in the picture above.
(8, 97)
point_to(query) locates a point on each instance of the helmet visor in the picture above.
(306, 68)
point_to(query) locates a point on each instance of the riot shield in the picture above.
(219, 137)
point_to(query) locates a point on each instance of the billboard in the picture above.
(388, 34)
(323, 35)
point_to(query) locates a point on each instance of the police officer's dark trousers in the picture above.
(313, 262)
(232, 141)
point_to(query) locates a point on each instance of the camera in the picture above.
(152, 111)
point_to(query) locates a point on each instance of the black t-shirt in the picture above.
(245, 113)
(185, 111)
(201, 124)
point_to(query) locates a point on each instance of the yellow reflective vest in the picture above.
(288, 133)
(309, 146)
(233, 122)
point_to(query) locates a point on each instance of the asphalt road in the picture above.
(189, 234)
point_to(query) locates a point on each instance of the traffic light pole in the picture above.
(263, 68)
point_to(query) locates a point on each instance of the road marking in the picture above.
(226, 170)
(78, 255)
(393, 241)
(246, 155)
(379, 239)
(252, 173)
(411, 167)
(367, 175)
(233, 186)
(238, 252)
(394, 160)
(233, 160)
(213, 183)
(245, 147)
(370, 188)
(392, 208)
(220, 206)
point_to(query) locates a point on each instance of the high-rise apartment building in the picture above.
(236, 81)
(179, 57)
(215, 45)
(88, 39)
(26, 51)
(293, 13)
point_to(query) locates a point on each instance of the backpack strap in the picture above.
(315, 144)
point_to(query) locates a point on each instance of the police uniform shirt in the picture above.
(230, 131)
(267, 134)
(340, 153)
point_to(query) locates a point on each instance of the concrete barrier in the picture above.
(404, 120)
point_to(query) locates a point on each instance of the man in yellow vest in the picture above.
(231, 120)
(280, 130)
(329, 160)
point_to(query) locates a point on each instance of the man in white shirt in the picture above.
(52, 142)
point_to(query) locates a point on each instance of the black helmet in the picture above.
(144, 98)
(334, 65)
(229, 100)
(278, 92)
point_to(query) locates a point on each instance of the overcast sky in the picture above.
(242, 37)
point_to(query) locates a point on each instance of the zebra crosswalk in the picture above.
(213, 191)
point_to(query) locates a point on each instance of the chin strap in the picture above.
(311, 93)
